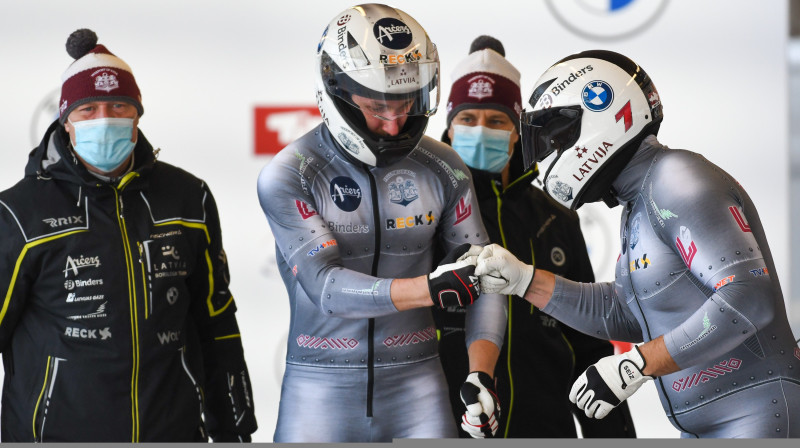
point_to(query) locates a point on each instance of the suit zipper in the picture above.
(375, 260)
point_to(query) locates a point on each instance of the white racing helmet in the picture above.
(593, 109)
(381, 53)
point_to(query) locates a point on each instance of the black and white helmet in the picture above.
(381, 53)
(593, 109)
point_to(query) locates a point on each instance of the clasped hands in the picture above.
(498, 270)
(469, 270)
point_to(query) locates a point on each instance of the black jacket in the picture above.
(116, 324)
(540, 358)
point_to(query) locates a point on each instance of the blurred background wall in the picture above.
(215, 76)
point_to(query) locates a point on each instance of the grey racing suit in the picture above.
(343, 231)
(696, 268)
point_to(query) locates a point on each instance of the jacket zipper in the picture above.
(371, 330)
(133, 309)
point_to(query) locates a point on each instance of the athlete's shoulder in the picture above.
(440, 159)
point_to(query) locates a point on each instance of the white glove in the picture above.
(609, 382)
(501, 273)
(471, 255)
(483, 408)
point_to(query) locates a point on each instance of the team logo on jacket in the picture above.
(69, 284)
(402, 189)
(74, 264)
(345, 193)
(463, 208)
(88, 333)
(166, 337)
(100, 312)
(557, 256)
(686, 246)
(105, 79)
(740, 219)
(58, 222)
(172, 295)
(74, 297)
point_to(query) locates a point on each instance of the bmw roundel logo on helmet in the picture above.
(597, 96)
(392, 33)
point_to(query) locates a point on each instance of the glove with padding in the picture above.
(502, 273)
(454, 282)
(483, 408)
(609, 382)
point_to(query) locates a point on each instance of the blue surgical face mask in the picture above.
(104, 143)
(482, 148)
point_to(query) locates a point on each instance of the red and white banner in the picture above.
(277, 126)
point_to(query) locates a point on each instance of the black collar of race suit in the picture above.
(630, 181)
(53, 158)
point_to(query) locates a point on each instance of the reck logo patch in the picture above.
(410, 221)
(88, 333)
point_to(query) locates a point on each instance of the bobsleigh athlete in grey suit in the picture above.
(695, 280)
(356, 207)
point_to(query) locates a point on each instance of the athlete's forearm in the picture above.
(483, 356)
(541, 288)
(658, 361)
(410, 293)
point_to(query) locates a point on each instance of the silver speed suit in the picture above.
(357, 370)
(696, 268)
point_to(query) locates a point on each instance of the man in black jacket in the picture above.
(116, 322)
(540, 357)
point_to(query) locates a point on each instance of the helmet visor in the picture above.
(547, 130)
(387, 92)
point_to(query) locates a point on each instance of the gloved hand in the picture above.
(609, 382)
(500, 272)
(454, 282)
(483, 409)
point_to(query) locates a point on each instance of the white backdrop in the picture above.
(720, 68)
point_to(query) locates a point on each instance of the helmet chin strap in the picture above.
(610, 198)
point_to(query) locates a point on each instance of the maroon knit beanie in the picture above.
(485, 80)
(95, 75)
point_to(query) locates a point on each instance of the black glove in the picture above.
(454, 282)
(483, 409)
